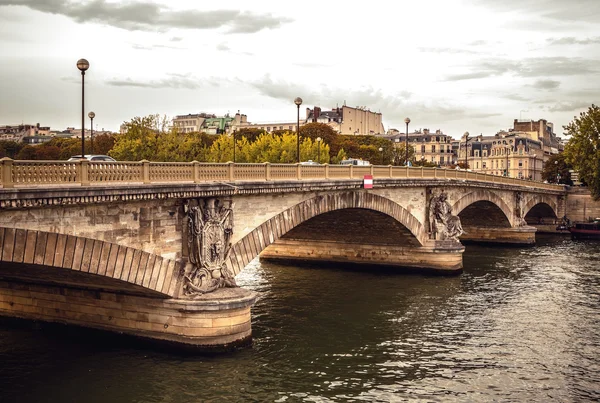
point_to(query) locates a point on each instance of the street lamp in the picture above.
(319, 149)
(91, 115)
(557, 174)
(82, 65)
(381, 151)
(407, 121)
(466, 150)
(298, 102)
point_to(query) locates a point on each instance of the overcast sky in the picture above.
(454, 65)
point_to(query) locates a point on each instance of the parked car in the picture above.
(309, 162)
(93, 157)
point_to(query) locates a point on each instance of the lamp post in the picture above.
(82, 65)
(381, 151)
(557, 174)
(91, 115)
(319, 149)
(298, 102)
(466, 150)
(407, 121)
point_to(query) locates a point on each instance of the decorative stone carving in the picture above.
(519, 199)
(442, 224)
(210, 227)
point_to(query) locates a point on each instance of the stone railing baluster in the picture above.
(7, 174)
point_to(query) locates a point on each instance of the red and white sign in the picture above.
(368, 181)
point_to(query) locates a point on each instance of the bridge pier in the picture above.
(215, 321)
(524, 235)
(438, 256)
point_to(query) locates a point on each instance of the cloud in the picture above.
(138, 46)
(516, 97)
(177, 81)
(396, 106)
(529, 67)
(558, 10)
(569, 40)
(450, 51)
(223, 47)
(546, 84)
(148, 16)
(568, 106)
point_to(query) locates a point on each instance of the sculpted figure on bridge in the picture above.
(520, 221)
(210, 227)
(442, 224)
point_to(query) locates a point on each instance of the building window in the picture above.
(441, 160)
(422, 148)
(432, 149)
(483, 165)
(477, 153)
(520, 163)
(476, 165)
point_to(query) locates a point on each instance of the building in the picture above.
(511, 154)
(431, 147)
(191, 122)
(520, 152)
(348, 120)
(18, 132)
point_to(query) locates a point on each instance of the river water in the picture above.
(519, 325)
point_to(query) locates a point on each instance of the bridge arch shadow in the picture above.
(483, 208)
(79, 262)
(273, 229)
(540, 209)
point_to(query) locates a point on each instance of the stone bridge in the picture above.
(154, 253)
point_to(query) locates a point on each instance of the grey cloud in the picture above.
(178, 81)
(515, 97)
(530, 67)
(148, 16)
(568, 106)
(546, 84)
(394, 107)
(569, 40)
(559, 10)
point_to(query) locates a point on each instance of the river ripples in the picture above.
(520, 324)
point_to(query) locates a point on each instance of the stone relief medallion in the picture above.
(443, 224)
(210, 227)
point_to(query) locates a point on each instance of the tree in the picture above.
(556, 170)
(314, 130)
(141, 141)
(399, 155)
(583, 148)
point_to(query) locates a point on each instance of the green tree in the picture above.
(556, 170)
(399, 155)
(10, 148)
(583, 148)
(322, 130)
(339, 157)
(142, 139)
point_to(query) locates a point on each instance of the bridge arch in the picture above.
(30, 254)
(483, 195)
(537, 199)
(271, 230)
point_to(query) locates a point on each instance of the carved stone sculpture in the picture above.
(520, 221)
(442, 224)
(210, 227)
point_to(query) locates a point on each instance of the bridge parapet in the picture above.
(25, 174)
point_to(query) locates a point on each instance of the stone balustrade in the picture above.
(25, 174)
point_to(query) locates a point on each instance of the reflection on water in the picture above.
(520, 324)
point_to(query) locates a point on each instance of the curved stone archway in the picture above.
(273, 229)
(536, 199)
(483, 195)
(26, 253)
